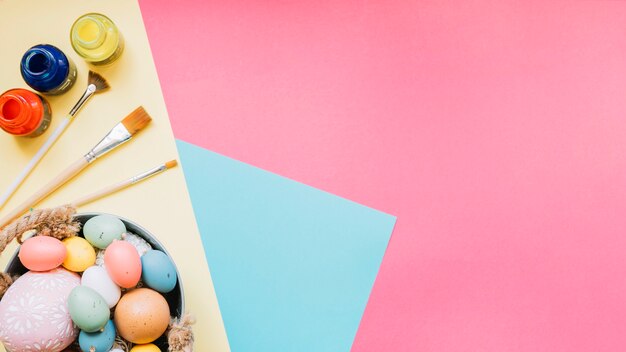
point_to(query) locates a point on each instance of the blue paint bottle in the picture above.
(46, 69)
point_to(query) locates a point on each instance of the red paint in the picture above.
(24, 113)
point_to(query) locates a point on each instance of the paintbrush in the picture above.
(95, 84)
(123, 184)
(121, 133)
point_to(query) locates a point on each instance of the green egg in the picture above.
(89, 311)
(101, 230)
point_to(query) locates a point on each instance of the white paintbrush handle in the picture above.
(57, 182)
(35, 160)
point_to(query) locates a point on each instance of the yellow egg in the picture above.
(145, 348)
(80, 254)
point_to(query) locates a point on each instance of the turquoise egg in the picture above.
(101, 230)
(158, 271)
(102, 341)
(89, 311)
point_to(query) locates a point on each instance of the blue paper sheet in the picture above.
(292, 266)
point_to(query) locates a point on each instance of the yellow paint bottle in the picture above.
(96, 39)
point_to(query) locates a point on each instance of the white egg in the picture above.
(97, 278)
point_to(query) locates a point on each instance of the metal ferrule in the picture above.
(89, 92)
(148, 173)
(118, 135)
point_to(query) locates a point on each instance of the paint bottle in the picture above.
(24, 113)
(96, 39)
(46, 69)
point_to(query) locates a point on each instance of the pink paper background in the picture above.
(495, 131)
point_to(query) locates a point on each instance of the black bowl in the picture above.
(175, 298)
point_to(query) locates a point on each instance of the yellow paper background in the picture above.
(161, 204)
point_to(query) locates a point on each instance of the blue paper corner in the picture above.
(292, 266)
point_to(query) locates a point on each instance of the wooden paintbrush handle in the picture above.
(57, 182)
(101, 193)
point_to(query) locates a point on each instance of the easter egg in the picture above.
(97, 278)
(89, 311)
(80, 254)
(145, 348)
(42, 253)
(158, 271)
(123, 264)
(141, 245)
(99, 341)
(142, 316)
(101, 230)
(33, 312)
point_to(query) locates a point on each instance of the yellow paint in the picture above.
(160, 204)
(96, 39)
(88, 30)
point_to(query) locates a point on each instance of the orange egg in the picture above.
(142, 316)
(123, 264)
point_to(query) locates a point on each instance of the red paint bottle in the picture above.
(24, 113)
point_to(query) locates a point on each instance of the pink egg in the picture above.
(33, 312)
(42, 253)
(123, 264)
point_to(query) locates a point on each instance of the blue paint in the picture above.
(46, 69)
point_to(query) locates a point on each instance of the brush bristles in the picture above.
(136, 120)
(98, 81)
(170, 164)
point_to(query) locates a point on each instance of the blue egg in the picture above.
(158, 271)
(101, 340)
